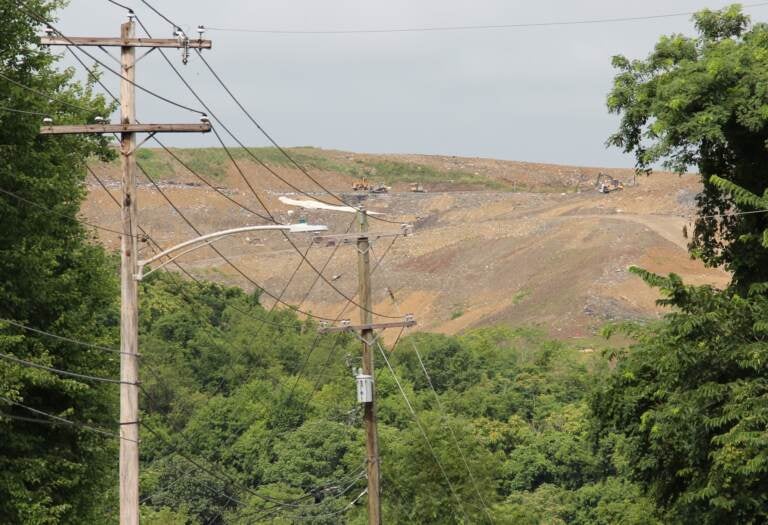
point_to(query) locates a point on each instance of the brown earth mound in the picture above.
(495, 241)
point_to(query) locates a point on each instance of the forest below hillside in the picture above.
(275, 421)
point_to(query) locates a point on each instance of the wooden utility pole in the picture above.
(129, 329)
(369, 409)
(366, 388)
(129, 308)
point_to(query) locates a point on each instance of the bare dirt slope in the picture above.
(495, 241)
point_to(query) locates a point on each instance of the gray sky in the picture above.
(531, 94)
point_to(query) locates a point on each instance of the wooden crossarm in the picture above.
(123, 42)
(203, 127)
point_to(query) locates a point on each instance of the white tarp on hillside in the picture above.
(316, 205)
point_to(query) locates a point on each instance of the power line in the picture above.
(728, 214)
(222, 124)
(186, 272)
(427, 29)
(452, 432)
(250, 117)
(92, 73)
(30, 364)
(221, 476)
(24, 112)
(269, 137)
(61, 419)
(161, 15)
(167, 100)
(220, 254)
(142, 230)
(58, 214)
(443, 412)
(118, 4)
(419, 424)
(339, 512)
(46, 96)
(282, 150)
(320, 375)
(59, 337)
(207, 183)
(290, 240)
(191, 89)
(247, 183)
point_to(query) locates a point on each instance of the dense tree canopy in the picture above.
(702, 102)
(52, 277)
(689, 400)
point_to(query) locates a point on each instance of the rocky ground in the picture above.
(539, 245)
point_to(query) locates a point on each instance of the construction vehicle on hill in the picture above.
(607, 184)
(363, 185)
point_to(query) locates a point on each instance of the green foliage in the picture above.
(689, 402)
(702, 102)
(52, 277)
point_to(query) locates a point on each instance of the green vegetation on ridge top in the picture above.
(214, 163)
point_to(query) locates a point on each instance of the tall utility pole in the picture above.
(366, 390)
(129, 301)
(366, 334)
(129, 358)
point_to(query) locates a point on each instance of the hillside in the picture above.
(495, 241)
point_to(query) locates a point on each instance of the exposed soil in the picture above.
(554, 255)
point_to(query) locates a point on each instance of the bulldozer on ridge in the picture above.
(363, 185)
(608, 184)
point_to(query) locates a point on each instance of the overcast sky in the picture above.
(531, 94)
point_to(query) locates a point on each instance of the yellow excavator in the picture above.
(363, 185)
(607, 184)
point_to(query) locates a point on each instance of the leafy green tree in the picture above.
(689, 400)
(701, 102)
(413, 479)
(52, 277)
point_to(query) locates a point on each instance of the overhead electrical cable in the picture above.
(455, 440)
(58, 214)
(30, 364)
(48, 97)
(245, 179)
(64, 421)
(205, 181)
(118, 4)
(210, 113)
(165, 99)
(294, 503)
(59, 337)
(24, 112)
(320, 376)
(213, 472)
(314, 517)
(220, 254)
(282, 150)
(442, 411)
(179, 211)
(428, 29)
(419, 424)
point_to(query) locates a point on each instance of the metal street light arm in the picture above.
(205, 240)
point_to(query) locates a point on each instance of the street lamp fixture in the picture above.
(208, 239)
